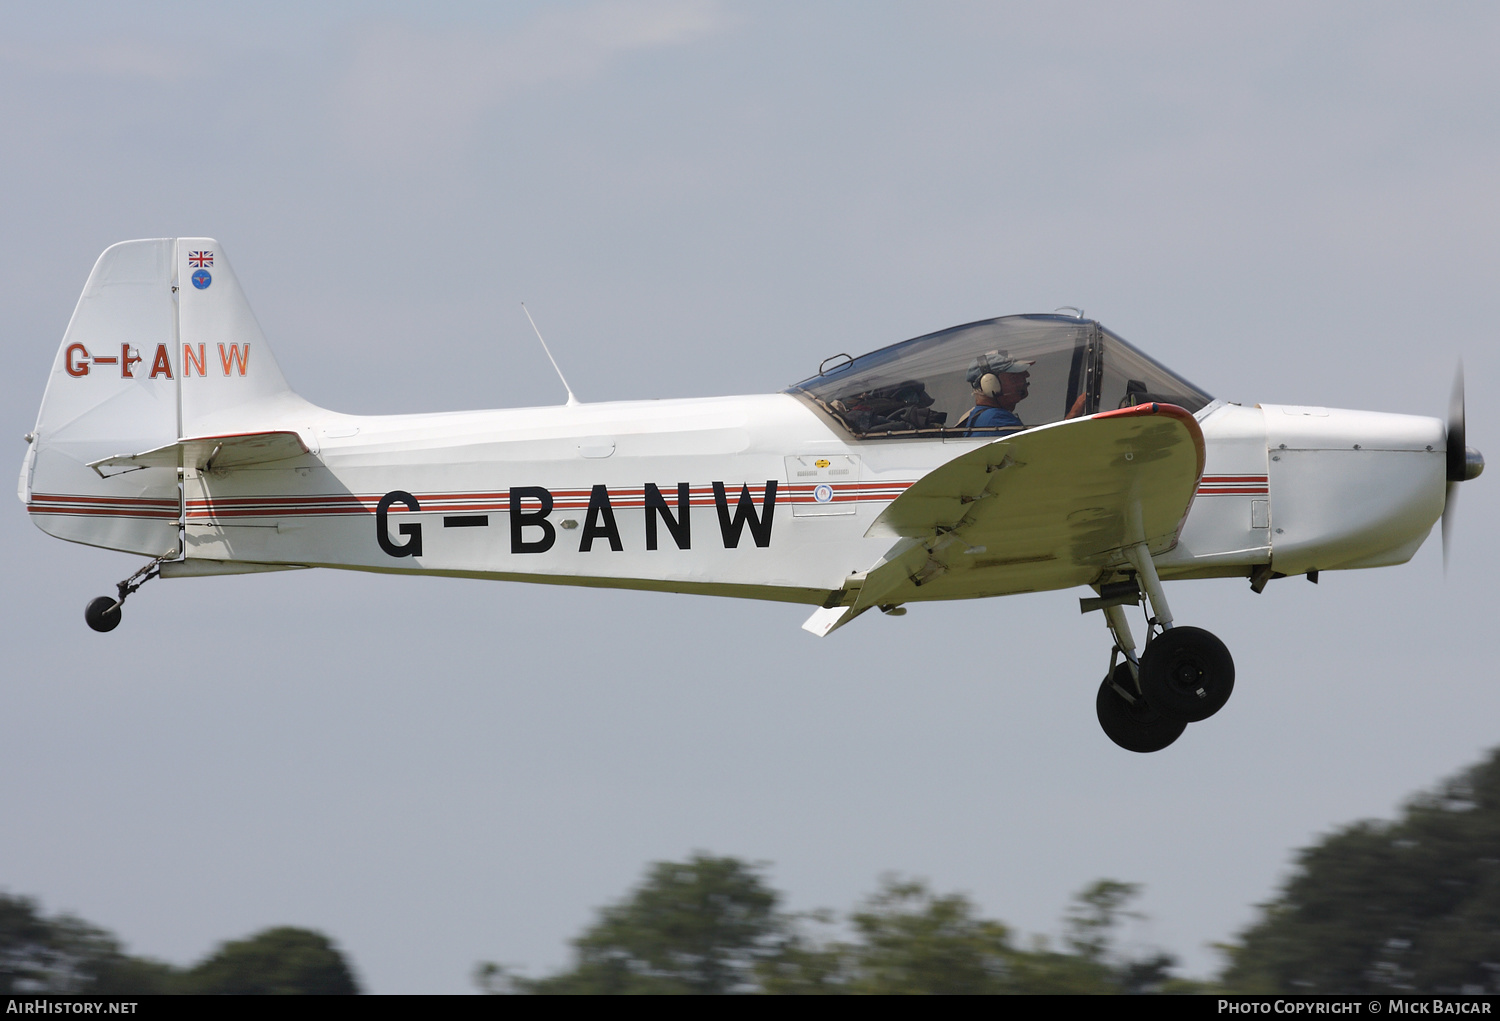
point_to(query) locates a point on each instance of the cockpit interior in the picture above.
(1046, 368)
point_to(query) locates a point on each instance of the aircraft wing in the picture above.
(209, 452)
(1047, 508)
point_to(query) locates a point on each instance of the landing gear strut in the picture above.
(1184, 674)
(103, 613)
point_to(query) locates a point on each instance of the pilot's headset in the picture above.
(984, 371)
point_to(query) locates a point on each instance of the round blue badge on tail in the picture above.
(201, 279)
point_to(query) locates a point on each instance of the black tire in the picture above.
(1136, 727)
(102, 614)
(1187, 674)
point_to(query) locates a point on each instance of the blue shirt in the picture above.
(986, 418)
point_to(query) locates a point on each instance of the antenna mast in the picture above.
(572, 401)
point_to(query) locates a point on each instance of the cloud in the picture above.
(406, 91)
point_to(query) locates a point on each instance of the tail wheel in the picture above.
(102, 614)
(1134, 726)
(1186, 674)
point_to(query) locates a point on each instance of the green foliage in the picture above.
(912, 940)
(803, 965)
(709, 926)
(1389, 907)
(26, 951)
(1095, 912)
(691, 927)
(283, 960)
(1044, 971)
(64, 954)
(67, 955)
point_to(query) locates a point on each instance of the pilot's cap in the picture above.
(997, 362)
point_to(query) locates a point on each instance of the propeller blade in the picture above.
(1449, 512)
(1456, 431)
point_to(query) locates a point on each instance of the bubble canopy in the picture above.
(1063, 367)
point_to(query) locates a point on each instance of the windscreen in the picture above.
(1130, 377)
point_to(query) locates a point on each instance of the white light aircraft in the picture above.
(1017, 454)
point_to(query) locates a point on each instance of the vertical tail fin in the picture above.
(228, 380)
(161, 346)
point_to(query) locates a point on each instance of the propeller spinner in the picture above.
(1464, 462)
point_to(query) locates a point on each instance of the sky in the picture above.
(1283, 202)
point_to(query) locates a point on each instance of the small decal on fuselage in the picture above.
(201, 279)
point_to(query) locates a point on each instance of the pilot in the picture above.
(1000, 382)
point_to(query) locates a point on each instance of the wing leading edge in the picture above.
(1049, 508)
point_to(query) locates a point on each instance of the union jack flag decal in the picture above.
(200, 259)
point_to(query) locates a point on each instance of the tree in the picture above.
(1090, 925)
(690, 927)
(282, 960)
(709, 925)
(1095, 912)
(909, 940)
(912, 940)
(1389, 907)
(64, 954)
(27, 953)
(67, 955)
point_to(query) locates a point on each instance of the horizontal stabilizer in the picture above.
(207, 453)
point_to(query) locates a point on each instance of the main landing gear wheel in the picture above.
(102, 614)
(1186, 674)
(1134, 726)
